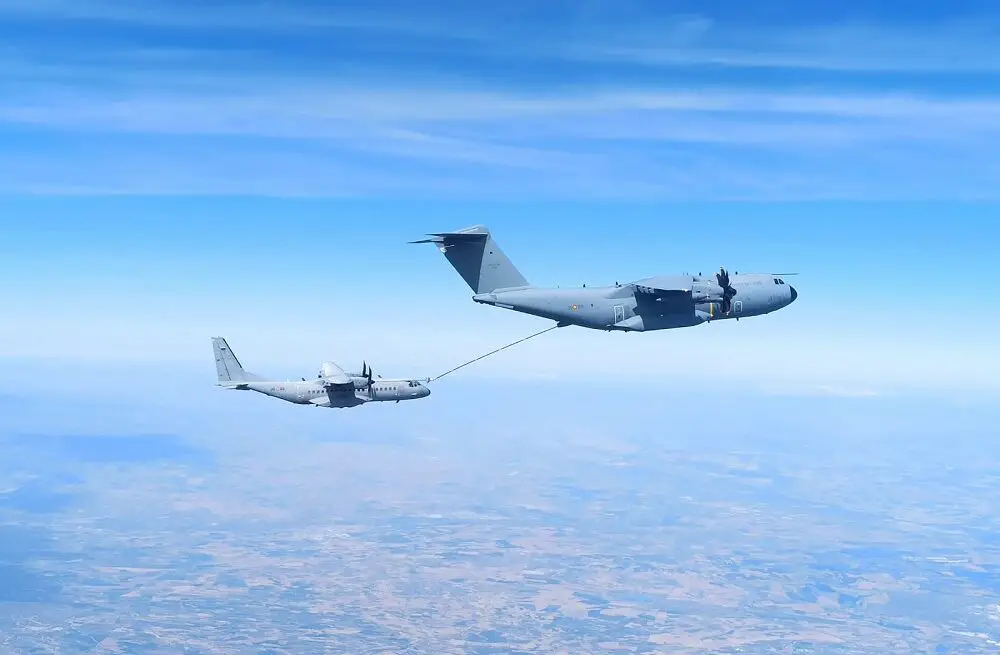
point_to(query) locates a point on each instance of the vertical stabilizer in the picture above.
(478, 259)
(227, 367)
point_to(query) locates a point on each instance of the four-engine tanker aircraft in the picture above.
(333, 387)
(654, 303)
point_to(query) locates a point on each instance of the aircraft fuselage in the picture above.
(308, 392)
(616, 308)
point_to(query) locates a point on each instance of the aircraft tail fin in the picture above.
(478, 259)
(228, 368)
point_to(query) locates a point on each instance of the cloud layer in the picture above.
(602, 101)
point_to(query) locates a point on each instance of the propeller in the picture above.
(367, 373)
(727, 290)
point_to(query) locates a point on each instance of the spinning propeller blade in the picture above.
(367, 372)
(722, 277)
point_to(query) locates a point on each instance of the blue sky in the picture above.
(171, 170)
(567, 100)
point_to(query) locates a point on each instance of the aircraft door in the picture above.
(738, 306)
(619, 313)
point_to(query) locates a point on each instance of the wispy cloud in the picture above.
(466, 117)
(311, 108)
(232, 15)
(626, 33)
(848, 47)
(609, 135)
(822, 390)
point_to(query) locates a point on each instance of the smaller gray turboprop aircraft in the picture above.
(655, 303)
(333, 387)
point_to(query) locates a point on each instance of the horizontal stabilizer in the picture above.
(465, 235)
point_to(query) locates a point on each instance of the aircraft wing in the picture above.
(654, 301)
(340, 397)
(334, 377)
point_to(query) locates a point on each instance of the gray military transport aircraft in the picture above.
(333, 387)
(654, 303)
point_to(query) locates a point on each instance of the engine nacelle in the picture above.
(706, 292)
(705, 297)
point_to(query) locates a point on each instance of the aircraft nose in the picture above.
(424, 392)
(795, 294)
